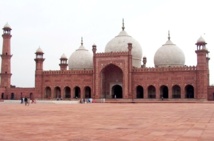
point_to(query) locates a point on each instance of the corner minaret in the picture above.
(6, 58)
(39, 60)
(63, 62)
(202, 75)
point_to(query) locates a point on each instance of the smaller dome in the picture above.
(169, 55)
(81, 59)
(201, 40)
(39, 50)
(7, 26)
(63, 56)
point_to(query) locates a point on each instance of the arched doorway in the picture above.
(189, 91)
(151, 92)
(139, 92)
(31, 96)
(176, 91)
(2, 95)
(117, 91)
(48, 92)
(87, 92)
(57, 92)
(164, 93)
(77, 92)
(110, 76)
(12, 96)
(67, 92)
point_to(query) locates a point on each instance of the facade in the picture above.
(119, 72)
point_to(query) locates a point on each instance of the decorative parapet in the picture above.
(162, 69)
(68, 72)
(105, 54)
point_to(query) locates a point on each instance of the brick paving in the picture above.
(107, 122)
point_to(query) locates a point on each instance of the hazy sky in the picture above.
(58, 25)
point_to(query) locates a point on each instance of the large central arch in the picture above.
(111, 81)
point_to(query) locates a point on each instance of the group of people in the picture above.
(89, 100)
(27, 101)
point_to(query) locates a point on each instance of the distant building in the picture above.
(119, 72)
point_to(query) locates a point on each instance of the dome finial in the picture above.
(168, 35)
(123, 27)
(81, 41)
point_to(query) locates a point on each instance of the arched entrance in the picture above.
(77, 92)
(12, 96)
(110, 76)
(48, 92)
(189, 91)
(2, 95)
(176, 91)
(164, 92)
(151, 92)
(117, 91)
(139, 92)
(57, 92)
(31, 96)
(87, 92)
(67, 92)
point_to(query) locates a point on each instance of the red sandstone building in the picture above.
(119, 72)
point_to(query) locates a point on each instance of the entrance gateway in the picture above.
(117, 91)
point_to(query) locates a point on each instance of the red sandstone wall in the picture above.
(69, 78)
(211, 93)
(17, 93)
(164, 77)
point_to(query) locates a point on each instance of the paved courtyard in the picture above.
(107, 122)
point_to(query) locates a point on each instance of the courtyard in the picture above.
(107, 122)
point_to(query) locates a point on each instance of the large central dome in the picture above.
(120, 44)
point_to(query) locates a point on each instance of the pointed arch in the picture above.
(57, 92)
(164, 92)
(151, 92)
(176, 91)
(117, 91)
(189, 91)
(2, 95)
(77, 92)
(12, 96)
(87, 92)
(139, 92)
(31, 96)
(110, 76)
(67, 92)
(48, 94)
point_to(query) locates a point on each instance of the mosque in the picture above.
(119, 72)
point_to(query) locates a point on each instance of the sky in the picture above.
(56, 26)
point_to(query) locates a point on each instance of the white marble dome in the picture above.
(39, 50)
(120, 44)
(63, 56)
(201, 40)
(169, 55)
(81, 59)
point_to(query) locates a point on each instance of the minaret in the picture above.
(144, 62)
(202, 69)
(39, 60)
(38, 73)
(6, 57)
(94, 91)
(63, 62)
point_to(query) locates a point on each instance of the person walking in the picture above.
(25, 100)
(22, 100)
